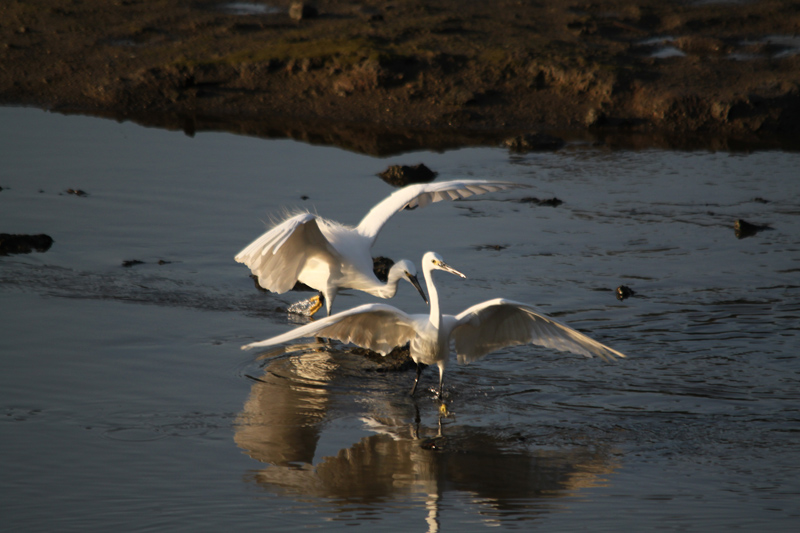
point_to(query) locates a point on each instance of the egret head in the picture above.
(405, 269)
(434, 261)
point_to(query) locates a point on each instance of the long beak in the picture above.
(415, 282)
(447, 268)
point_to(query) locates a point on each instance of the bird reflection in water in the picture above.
(504, 476)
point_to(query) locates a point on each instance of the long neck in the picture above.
(433, 297)
(388, 289)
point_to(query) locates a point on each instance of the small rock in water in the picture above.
(381, 266)
(551, 202)
(532, 142)
(398, 360)
(623, 292)
(743, 228)
(24, 244)
(402, 175)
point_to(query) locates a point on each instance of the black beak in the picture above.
(415, 282)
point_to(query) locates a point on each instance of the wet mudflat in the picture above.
(127, 403)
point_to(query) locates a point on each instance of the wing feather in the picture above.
(498, 323)
(423, 194)
(378, 327)
(277, 257)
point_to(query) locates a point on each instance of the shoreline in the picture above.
(380, 77)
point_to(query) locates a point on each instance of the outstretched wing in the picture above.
(423, 194)
(378, 327)
(498, 323)
(278, 256)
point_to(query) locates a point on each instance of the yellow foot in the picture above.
(443, 410)
(316, 305)
(306, 307)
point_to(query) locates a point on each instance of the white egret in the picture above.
(475, 332)
(328, 256)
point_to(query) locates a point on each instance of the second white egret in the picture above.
(328, 256)
(477, 331)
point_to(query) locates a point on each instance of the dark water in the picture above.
(127, 404)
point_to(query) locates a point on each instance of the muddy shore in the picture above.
(384, 76)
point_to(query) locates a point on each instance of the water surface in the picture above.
(128, 404)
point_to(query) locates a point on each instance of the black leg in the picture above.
(416, 379)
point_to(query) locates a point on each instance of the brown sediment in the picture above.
(415, 73)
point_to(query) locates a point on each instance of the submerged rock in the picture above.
(24, 244)
(624, 292)
(381, 266)
(399, 359)
(743, 228)
(533, 142)
(548, 202)
(402, 175)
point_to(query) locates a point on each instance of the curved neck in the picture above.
(433, 297)
(388, 289)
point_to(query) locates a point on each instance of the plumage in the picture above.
(475, 332)
(328, 256)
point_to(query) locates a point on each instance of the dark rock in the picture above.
(302, 10)
(533, 142)
(399, 359)
(381, 266)
(624, 292)
(551, 202)
(402, 175)
(24, 244)
(743, 228)
(131, 262)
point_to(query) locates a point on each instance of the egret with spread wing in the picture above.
(475, 332)
(328, 256)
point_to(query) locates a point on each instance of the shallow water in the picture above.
(128, 405)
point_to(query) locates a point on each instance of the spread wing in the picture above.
(278, 256)
(423, 194)
(498, 323)
(378, 327)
